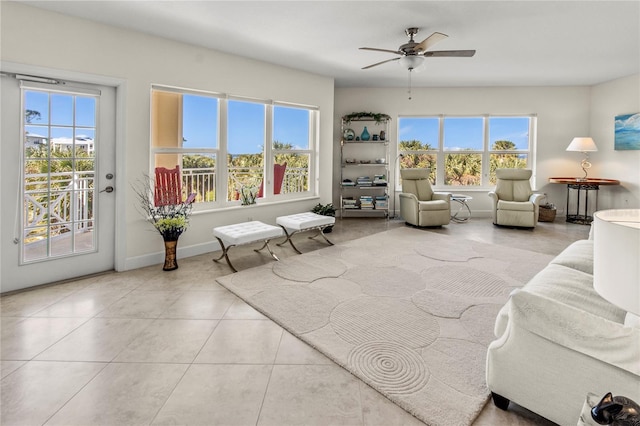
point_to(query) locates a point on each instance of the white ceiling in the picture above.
(518, 43)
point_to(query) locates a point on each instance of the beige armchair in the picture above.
(419, 205)
(514, 203)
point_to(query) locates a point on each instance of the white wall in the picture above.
(563, 112)
(621, 96)
(36, 37)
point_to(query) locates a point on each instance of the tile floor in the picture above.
(154, 347)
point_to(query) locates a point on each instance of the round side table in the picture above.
(464, 211)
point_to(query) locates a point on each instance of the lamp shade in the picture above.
(582, 144)
(616, 255)
(412, 62)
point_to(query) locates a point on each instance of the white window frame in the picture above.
(221, 151)
(485, 153)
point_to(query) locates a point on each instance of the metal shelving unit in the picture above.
(364, 177)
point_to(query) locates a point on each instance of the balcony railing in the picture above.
(203, 181)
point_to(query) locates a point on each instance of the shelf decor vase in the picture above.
(170, 259)
(365, 134)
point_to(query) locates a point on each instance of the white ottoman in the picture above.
(301, 222)
(244, 233)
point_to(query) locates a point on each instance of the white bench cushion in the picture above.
(302, 221)
(246, 232)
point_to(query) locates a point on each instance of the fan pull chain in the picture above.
(409, 91)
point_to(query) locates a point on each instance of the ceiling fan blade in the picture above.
(430, 41)
(380, 63)
(451, 53)
(381, 50)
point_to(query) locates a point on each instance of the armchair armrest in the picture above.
(536, 198)
(446, 196)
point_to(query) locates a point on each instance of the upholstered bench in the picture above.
(245, 233)
(301, 222)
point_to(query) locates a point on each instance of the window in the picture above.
(465, 151)
(218, 161)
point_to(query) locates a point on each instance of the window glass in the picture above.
(463, 133)
(463, 169)
(507, 133)
(199, 121)
(290, 127)
(418, 135)
(245, 139)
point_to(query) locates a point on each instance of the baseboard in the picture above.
(158, 257)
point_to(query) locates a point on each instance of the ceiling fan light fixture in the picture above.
(412, 62)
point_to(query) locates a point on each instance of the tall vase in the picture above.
(170, 259)
(365, 134)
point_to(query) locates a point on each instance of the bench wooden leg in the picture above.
(225, 251)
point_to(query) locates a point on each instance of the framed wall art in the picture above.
(627, 132)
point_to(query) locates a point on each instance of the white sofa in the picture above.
(558, 340)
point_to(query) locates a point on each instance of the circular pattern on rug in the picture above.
(465, 281)
(388, 281)
(368, 319)
(389, 367)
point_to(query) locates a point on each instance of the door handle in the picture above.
(108, 189)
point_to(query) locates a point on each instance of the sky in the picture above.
(465, 132)
(246, 124)
(246, 121)
(58, 110)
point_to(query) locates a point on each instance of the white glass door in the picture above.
(61, 149)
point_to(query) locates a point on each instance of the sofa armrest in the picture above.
(578, 330)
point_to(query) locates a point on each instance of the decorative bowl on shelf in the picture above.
(350, 160)
(365, 161)
(381, 160)
(349, 134)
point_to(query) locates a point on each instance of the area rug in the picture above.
(407, 311)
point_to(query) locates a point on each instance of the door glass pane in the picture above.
(246, 136)
(59, 173)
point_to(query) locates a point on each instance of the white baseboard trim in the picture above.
(158, 257)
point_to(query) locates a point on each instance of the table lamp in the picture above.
(616, 269)
(584, 145)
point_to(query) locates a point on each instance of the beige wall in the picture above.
(562, 113)
(36, 37)
(620, 96)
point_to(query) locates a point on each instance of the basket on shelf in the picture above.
(547, 213)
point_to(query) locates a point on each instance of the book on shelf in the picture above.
(379, 180)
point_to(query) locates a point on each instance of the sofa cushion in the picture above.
(574, 288)
(578, 255)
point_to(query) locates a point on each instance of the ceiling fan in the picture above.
(412, 54)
